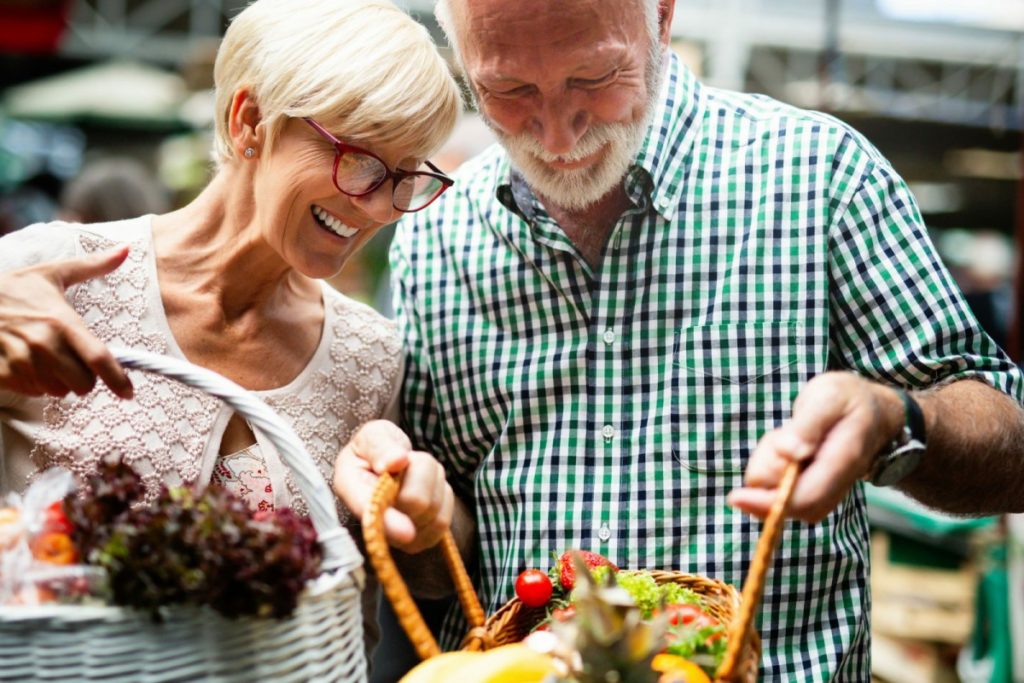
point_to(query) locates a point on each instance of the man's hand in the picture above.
(423, 510)
(45, 348)
(840, 422)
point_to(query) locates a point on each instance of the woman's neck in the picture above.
(214, 249)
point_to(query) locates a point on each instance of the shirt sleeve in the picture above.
(897, 315)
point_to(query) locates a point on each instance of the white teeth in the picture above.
(332, 223)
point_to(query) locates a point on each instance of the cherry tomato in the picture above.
(688, 614)
(56, 521)
(533, 588)
(563, 613)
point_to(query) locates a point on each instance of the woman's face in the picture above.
(313, 226)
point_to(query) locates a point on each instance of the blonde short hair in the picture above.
(362, 68)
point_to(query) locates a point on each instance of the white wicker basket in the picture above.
(321, 641)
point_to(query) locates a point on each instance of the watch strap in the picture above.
(913, 416)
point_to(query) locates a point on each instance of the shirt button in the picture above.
(608, 432)
(604, 533)
(609, 337)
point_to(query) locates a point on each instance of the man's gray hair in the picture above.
(446, 20)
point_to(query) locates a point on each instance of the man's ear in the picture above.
(243, 122)
(666, 8)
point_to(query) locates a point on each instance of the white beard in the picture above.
(578, 188)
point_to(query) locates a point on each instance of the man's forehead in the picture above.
(542, 21)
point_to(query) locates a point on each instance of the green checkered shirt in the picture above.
(614, 409)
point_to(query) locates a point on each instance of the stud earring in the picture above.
(250, 152)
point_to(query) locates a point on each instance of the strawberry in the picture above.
(564, 572)
(563, 613)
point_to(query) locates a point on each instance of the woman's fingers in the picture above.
(92, 357)
(45, 347)
(423, 508)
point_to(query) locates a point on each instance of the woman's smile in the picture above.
(331, 223)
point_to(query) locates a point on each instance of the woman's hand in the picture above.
(45, 347)
(423, 510)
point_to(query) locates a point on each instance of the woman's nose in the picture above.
(378, 205)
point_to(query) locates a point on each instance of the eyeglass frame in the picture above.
(395, 176)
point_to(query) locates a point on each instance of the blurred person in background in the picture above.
(627, 321)
(112, 189)
(988, 283)
(326, 114)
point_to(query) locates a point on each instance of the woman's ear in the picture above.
(243, 123)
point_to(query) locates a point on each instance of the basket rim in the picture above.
(321, 585)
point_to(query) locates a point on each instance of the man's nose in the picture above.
(560, 124)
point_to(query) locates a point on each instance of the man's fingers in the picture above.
(834, 468)
(823, 485)
(821, 404)
(752, 500)
(75, 270)
(774, 451)
(95, 356)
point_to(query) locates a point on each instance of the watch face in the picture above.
(899, 463)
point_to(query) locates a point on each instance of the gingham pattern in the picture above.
(613, 410)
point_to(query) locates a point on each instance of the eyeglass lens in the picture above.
(359, 173)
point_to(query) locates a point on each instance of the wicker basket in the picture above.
(322, 640)
(514, 620)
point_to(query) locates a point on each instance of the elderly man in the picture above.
(627, 319)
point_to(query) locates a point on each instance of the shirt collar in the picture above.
(663, 156)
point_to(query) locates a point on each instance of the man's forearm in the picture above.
(974, 462)
(427, 573)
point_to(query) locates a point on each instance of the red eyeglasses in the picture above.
(358, 172)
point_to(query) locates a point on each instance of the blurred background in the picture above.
(106, 110)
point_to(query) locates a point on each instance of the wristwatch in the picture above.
(904, 454)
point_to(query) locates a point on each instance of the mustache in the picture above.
(595, 139)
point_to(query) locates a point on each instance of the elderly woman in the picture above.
(326, 114)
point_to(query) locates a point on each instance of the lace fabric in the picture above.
(169, 432)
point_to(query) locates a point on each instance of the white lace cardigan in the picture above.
(171, 433)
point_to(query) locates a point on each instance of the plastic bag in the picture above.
(38, 560)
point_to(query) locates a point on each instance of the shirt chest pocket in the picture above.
(731, 383)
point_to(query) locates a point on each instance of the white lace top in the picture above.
(171, 433)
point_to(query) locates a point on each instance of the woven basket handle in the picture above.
(340, 552)
(379, 553)
(754, 584)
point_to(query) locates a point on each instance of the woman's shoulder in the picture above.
(37, 243)
(358, 316)
(43, 242)
(361, 363)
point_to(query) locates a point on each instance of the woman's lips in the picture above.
(328, 221)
